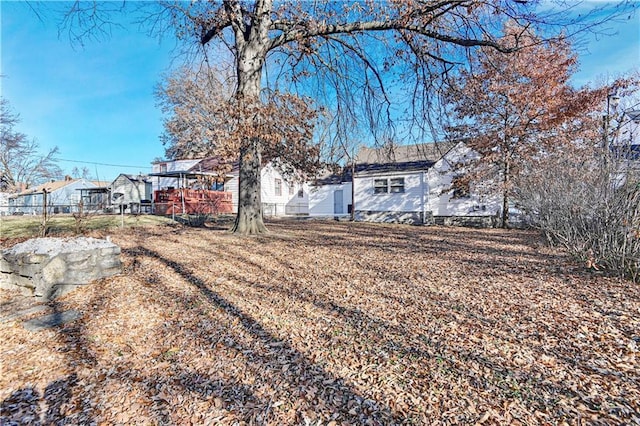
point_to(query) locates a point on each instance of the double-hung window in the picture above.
(278, 187)
(397, 185)
(388, 186)
(380, 186)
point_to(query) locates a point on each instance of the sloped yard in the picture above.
(332, 323)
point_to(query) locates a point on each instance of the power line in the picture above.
(103, 164)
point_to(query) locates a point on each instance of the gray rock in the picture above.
(50, 267)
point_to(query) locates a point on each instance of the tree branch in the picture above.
(324, 30)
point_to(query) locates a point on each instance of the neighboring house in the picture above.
(4, 203)
(331, 195)
(415, 187)
(278, 195)
(627, 141)
(63, 196)
(190, 186)
(167, 174)
(133, 192)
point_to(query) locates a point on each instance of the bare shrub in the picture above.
(588, 202)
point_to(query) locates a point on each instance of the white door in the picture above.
(337, 202)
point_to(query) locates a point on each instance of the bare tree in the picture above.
(587, 200)
(584, 192)
(357, 56)
(21, 164)
(81, 173)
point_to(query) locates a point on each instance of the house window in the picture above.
(397, 186)
(278, 187)
(163, 168)
(291, 189)
(301, 193)
(380, 186)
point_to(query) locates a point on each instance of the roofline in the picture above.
(189, 174)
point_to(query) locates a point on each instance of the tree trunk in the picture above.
(505, 196)
(249, 219)
(249, 72)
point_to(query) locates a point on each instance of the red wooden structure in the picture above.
(192, 201)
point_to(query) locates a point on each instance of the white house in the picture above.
(131, 191)
(392, 192)
(279, 195)
(63, 196)
(414, 187)
(166, 173)
(448, 205)
(331, 195)
(4, 203)
(627, 141)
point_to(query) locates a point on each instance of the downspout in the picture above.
(422, 196)
(353, 191)
(182, 193)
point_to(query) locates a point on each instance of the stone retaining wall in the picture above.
(50, 267)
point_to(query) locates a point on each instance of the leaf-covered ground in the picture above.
(332, 323)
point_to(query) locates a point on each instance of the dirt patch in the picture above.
(334, 323)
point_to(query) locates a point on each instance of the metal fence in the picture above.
(281, 209)
(38, 210)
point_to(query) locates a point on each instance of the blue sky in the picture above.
(96, 103)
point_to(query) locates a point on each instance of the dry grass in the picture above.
(334, 323)
(20, 227)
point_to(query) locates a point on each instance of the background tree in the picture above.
(350, 54)
(81, 173)
(511, 107)
(21, 164)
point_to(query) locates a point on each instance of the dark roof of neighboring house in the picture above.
(404, 166)
(372, 169)
(404, 153)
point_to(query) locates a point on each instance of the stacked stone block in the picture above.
(50, 267)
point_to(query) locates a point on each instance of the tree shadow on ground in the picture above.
(293, 371)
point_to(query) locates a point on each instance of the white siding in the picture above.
(439, 179)
(321, 199)
(411, 200)
(4, 203)
(285, 203)
(274, 205)
(232, 187)
(134, 191)
(427, 191)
